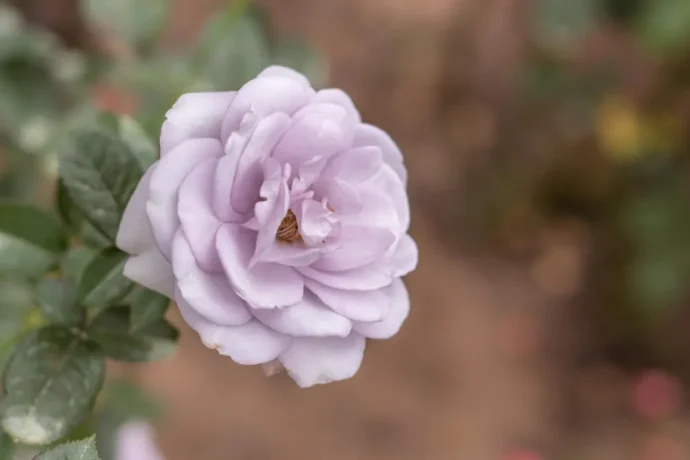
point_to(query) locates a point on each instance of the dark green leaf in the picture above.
(75, 261)
(100, 173)
(6, 447)
(148, 307)
(111, 331)
(102, 283)
(58, 301)
(77, 450)
(30, 240)
(51, 383)
(65, 207)
(132, 134)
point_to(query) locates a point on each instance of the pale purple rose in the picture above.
(136, 441)
(278, 222)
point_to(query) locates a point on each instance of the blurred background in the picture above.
(548, 145)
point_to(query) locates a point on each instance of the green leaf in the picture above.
(132, 134)
(6, 447)
(559, 23)
(31, 240)
(665, 25)
(58, 301)
(100, 173)
(136, 21)
(75, 261)
(111, 331)
(102, 283)
(148, 307)
(66, 208)
(77, 450)
(232, 49)
(51, 383)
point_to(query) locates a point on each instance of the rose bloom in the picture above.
(135, 440)
(278, 222)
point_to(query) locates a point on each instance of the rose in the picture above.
(135, 440)
(278, 222)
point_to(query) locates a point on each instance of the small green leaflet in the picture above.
(77, 450)
(31, 240)
(102, 283)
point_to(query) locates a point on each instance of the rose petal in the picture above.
(338, 97)
(366, 134)
(264, 96)
(136, 440)
(367, 278)
(251, 343)
(165, 182)
(294, 254)
(249, 175)
(194, 116)
(135, 235)
(316, 130)
(151, 270)
(363, 306)
(270, 213)
(355, 165)
(210, 295)
(307, 318)
(265, 285)
(312, 361)
(390, 325)
(315, 222)
(196, 215)
(222, 189)
(285, 72)
(405, 257)
(356, 247)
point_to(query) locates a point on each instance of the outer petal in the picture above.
(135, 235)
(367, 278)
(196, 215)
(339, 97)
(390, 325)
(249, 176)
(165, 182)
(405, 257)
(263, 286)
(366, 134)
(194, 115)
(210, 295)
(152, 270)
(308, 318)
(311, 361)
(285, 72)
(363, 306)
(265, 96)
(136, 441)
(316, 130)
(252, 343)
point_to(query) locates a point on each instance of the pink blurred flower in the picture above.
(278, 222)
(136, 441)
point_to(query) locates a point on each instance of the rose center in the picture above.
(288, 230)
